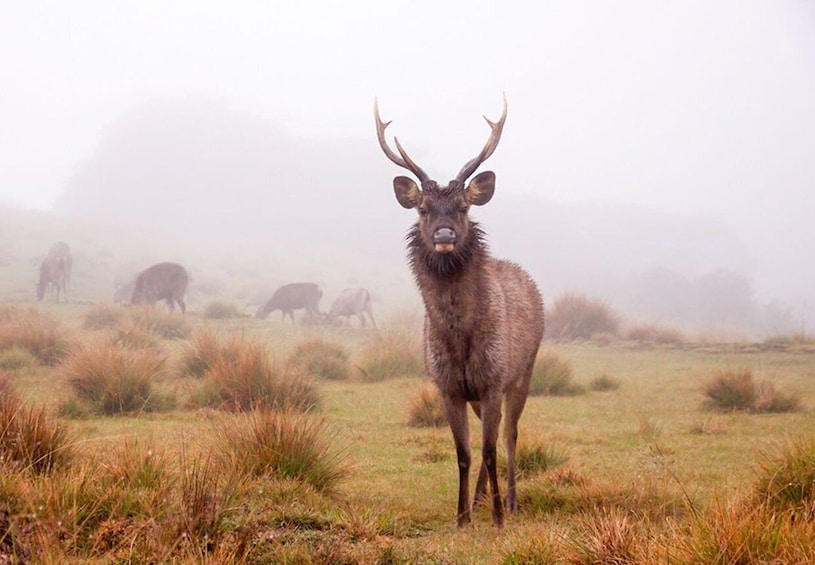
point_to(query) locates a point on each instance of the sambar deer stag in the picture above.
(483, 316)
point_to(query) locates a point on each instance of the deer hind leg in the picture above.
(515, 402)
(456, 411)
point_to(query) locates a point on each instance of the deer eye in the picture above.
(463, 209)
(422, 211)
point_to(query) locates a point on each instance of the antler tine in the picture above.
(489, 148)
(404, 161)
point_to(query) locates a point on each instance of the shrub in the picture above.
(390, 354)
(28, 437)
(102, 316)
(36, 332)
(576, 316)
(552, 377)
(116, 381)
(426, 408)
(16, 358)
(604, 383)
(737, 390)
(165, 324)
(219, 310)
(283, 444)
(320, 359)
(249, 380)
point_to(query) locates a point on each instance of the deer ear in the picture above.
(481, 188)
(407, 192)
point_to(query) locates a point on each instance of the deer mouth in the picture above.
(444, 247)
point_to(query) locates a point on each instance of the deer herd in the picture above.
(483, 319)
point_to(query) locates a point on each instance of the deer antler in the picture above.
(404, 161)
(492, 143)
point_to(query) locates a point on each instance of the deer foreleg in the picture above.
(456, 410)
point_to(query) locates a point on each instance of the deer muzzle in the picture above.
(444, 240)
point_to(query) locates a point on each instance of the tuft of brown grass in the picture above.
(200, 352)
(737, 390)
(552, 376)
(320, 359)
(389, 354)
(606, 536)
(285, 444)
(36, 332)
(29, 438)
(535, 456)
(102, 316)
(163, 323)
(786, 477)
(575, 316)
(245, 379)
(111, 380)
(737, 531)
(426, 409)
(220, 310)
(16, 358)
(604, 383)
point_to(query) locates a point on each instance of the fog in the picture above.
(645, 141)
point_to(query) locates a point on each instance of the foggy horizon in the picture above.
(683, 110)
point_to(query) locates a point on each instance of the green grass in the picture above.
(631, 475)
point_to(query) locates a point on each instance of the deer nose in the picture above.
(444, 235)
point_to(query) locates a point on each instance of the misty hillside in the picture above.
(196, 170)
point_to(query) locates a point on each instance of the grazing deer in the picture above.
(55, 271)
(352, 302)
(483, 316)
(291, 297)
(162, 281)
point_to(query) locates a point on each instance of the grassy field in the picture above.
(645, 473)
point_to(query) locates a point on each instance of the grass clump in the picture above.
(200, 352)
(737, 390)
(552, 376)
(29, 438)
(391, 354)
(220, 310)
(575, 316)
(285, 444)
(426, 409)
(320, 359)
(16, 358)
(163, 323)
(604, 383)
(245, 379)
(535, 456)
(786, 478)
(36, 332)
(111, 380)
(102, 316)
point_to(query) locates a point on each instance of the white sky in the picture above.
(694, 107)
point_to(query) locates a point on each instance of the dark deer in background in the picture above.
(352, 302)
(291, 297)
(162, 281)
(483, 316)
(55, 271)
